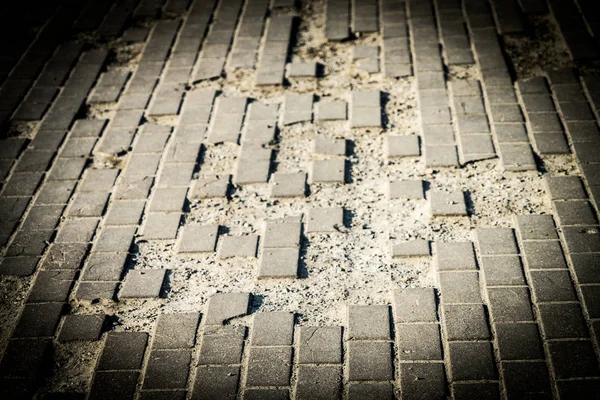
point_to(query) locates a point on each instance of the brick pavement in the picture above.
(99, 159)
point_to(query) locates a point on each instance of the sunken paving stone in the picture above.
(225, 306)
(237, 246)
(412, 248)
(198, 239)
(143, 284)
(288, 184)
(331, 110)
(402, 146)
(281, 234)
(302, 70)
(406, 189)
(78, 327)
(209, 187)
(325, 220)
(444, 204)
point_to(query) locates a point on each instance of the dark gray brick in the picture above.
(455, 256)
(496, 241)
(319, 382)
(475, 390)
(472, 361)
(22, 184)
(167, 369)
(38, 320)
(575, 389)
(575, 212)
(34, 160)
(509, 304)
(105, 266)
(222, 345)
(368, 322)
(527, 379)
(67, 169)
(465, 322)
(133, 188)
(591, 299)
(422, 381)
(114, 385)
(65, 256)
(88, 204)
(29, 243)
(273, 329)
(573, 359)
(51, 286)
(415, 305)
(77, 327)
(43, 217)
(369, 361)
(582, 239)
(125, 212)
(266, 393)
(96, 290)
(25, 357)
(177, 330)
(320, 345)
(586, 267)
(225, 306)
(519, 341)
(544, 254)
(552, 285)
(123, 350)
(562, 321)
(419, 341)
(459, 287)
(18, 266)
(536, 227)
(269, 366)
(503, 270)
(371, 391)
(115, 239)
(216, 382)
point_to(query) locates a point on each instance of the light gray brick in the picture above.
(288, 184)
(198, 239)
(279, 263)
(444, 204)
(328, 171)
(325, 219)
(368, 322)
(225, 306)
(237, 246)
(411, 248)
(143, 284)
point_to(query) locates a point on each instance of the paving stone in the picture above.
(175, 330)
(441, 156)
(22, 184)
(19, 266)
(281, 234)
(320, 345)
(330, 146)
(519, 341)
(459, 287)
(65, 256)
(370, 391)
(142, 165)
(510, 133)
(168, 199)
(433, 115)
(81, 327)
(576, 388)
(475, 390)
(105, 267)
(406, 189)
(582, 239)
(38, 320)
(29, 243)
(328, 171)
(96, 290)
(163, 395)
(302, 70)
(78, 147)
(161, 226)
(575, 212)
(331, 110)
(43, 217)
(98, 180)
(542, 255)
(573, 359)
(167, 369)
(67, 169)
(297, 108)
(269, 366)
(123, 350)
(465, 322)
(325, 220)
(252, 171)
(586, 267)
(562, 321)
(208, 187)
(502, 271)
(403, 146)
(34, 160)
(55, 192)
(368, 322)
(88, 204)
(237, 246)
(215, 382)
(455, 256)
(225, 306)
(517, 156)
(496, 241)
(412, 248)
(279, 263)
(526, 379)
(198, 239)
(422, 381)
(536, 227)
(415, 305)
(419, 342)
(115, 239)
(509, 304)
(222, 345)
(591, 296)
(365, 117)
(288, 185)
(552, 285)
(369, 361)
(447, 204)
(114, 385)
(143, 284)
(125, 212)
(266, 394)
(471, 361)
(25, 357)
(319, 382)
(272, 329)
(51, 286)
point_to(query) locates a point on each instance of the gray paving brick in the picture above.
(222, 345)
(168, 199)
(96, 290)
(225, 306)
(535, 227)
(472, 361)
(22, 184)
(368, 322)
(25, 358)
(575, 212)
(98, 180)
(38, 320)
(496, 241)
(465, 322)
(297, 108)
(370, 391)
(142, 165)
(455, 256)
(459, 287)
(325, 220)
(34, 160)
(115, 239)
(328, 171)
(573, 359)
(509, 304)
(419, 380)
(330, 146)
(288, 184)
(269, 366)
(280, 234)
(105, 266)
(445, 204)
(81, 327)
(562, 321)
(419, 342)
(591, 294)
(502, 271)
(279, 263)
(161, 226)
(414, 305)
(523, 379)
(51, 286)
(272, 329)
(55, 192)
(517, 157)
(319, 382)
(163, 395)
(65, 256)
(369, 361)
(411, 248)
(320, 345)
(123, 350)
(586, 267)
(88, 204)
(266, 393)
(43, 217)
(259, 131)
(67, 169)
(406, 189)
(565, 187)
(216, 381)
(176, 330)
(441, 156)
(402, 146)
(213, 186)
(78, 147)
(545, 254)
(302, 70)
(125, 212)
(143, 284)
(250, 171)
(114, 384)
(331, 110)
(237, 246)
(198, 239)
(582, 239)
(511, 133)
(475, 390)
(167, 369)
(519, 341)
(18, 266)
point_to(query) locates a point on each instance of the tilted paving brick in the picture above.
(161, 226)
(565, 187)
(328, 171)
(123, 350)
(402, 146)
(38, 320)
(175, 330)
(237, 246)
(198, 239)
(288, 184)
(331, 110)
(330, 146)
(297, 108)
(216, 381)
(455, 256)
(325, 219)
(167, 369)
(168, 199)
(279, 263)
(369, 361)
(517, 157)
(249, 171)
(222, 345)
(143, 284)
(535, 227)
(225, 306)
(261, 131)
(406, 189)
(368, 322)
(51, 286)
(269, 366)
(272, 329)
(81, 327)
(96, 290)
(411, 248)
(447, 204)
(581, 239)
(320, 345)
